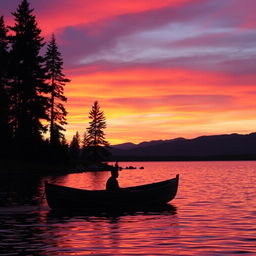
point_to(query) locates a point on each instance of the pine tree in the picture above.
(28, 87)
(4, 102)
(84, 145)
(57, 81)
(74, 148)
(84, 141)
(96, 143)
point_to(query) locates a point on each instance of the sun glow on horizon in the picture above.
(159, 69)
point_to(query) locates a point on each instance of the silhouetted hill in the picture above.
(233, 146)
(125, 146)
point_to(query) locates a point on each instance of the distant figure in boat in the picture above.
(112, 183)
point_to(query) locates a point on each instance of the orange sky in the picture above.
(159, 69)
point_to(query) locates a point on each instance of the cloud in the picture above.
(190, 103)
(103, 35)
(194, 35)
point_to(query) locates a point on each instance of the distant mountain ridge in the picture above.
(213, 146)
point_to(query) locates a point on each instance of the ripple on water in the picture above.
(213, 215)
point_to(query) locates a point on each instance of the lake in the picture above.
(214, 213)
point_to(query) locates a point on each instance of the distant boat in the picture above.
(61, 197)
(130, 167)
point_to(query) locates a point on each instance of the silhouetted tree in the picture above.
(4, 102)
(84, 140)
(84, 145)
(95, 140)
(74, 148)
(57, 81)
(28, 87)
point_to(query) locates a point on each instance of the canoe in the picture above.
(61, 197)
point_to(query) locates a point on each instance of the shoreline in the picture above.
(16, 167)
(182, 158)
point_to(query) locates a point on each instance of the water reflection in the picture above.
(212, 214)
(166, 209)
(110, 233)
(20, 190)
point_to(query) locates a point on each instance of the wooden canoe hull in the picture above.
(60, 197)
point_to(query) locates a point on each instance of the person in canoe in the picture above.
(112, 182)
(116, 166)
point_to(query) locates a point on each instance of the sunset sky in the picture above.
(160, 69)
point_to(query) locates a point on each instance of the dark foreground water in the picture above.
(214, 213)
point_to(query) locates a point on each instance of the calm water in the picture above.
(214, 213)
